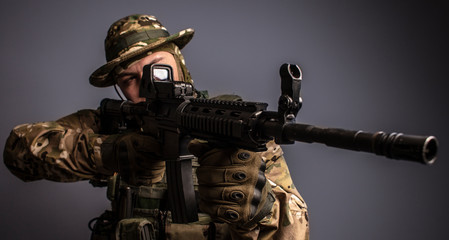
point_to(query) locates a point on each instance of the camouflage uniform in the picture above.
(69, 149)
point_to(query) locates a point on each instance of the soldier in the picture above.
(263, 205)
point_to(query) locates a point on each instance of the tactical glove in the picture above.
(232, 184)
(135, 157)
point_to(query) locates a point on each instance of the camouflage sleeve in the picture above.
(65, 150)
(288, 218)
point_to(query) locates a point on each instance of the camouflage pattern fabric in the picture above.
(68, 150)
(133, 37)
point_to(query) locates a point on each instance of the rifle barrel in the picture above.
(422, 149)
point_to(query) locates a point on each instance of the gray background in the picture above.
(369, 65)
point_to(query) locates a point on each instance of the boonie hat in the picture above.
(131, 37)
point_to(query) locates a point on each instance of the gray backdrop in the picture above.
(369, 65)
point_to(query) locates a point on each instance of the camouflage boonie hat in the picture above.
(131, 37)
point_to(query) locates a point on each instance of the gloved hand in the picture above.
(232, 184)
(135, 157)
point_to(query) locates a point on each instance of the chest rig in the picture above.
(142, 213)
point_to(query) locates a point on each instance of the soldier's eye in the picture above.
(126, 80)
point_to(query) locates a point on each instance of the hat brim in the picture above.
(102, 77)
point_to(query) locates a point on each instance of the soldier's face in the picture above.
(129, 79)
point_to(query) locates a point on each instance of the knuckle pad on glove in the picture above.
(225, 213)
(231, 184)
(242, 156)
(224, 195)
(229, 214)
(235, 195)
(210, 176)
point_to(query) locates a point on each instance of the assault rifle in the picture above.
(174, 116)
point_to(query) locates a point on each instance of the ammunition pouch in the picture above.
(135, 229)
(106, 228)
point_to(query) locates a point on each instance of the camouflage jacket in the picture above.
(68, 150)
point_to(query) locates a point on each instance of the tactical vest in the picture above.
(148, 215)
